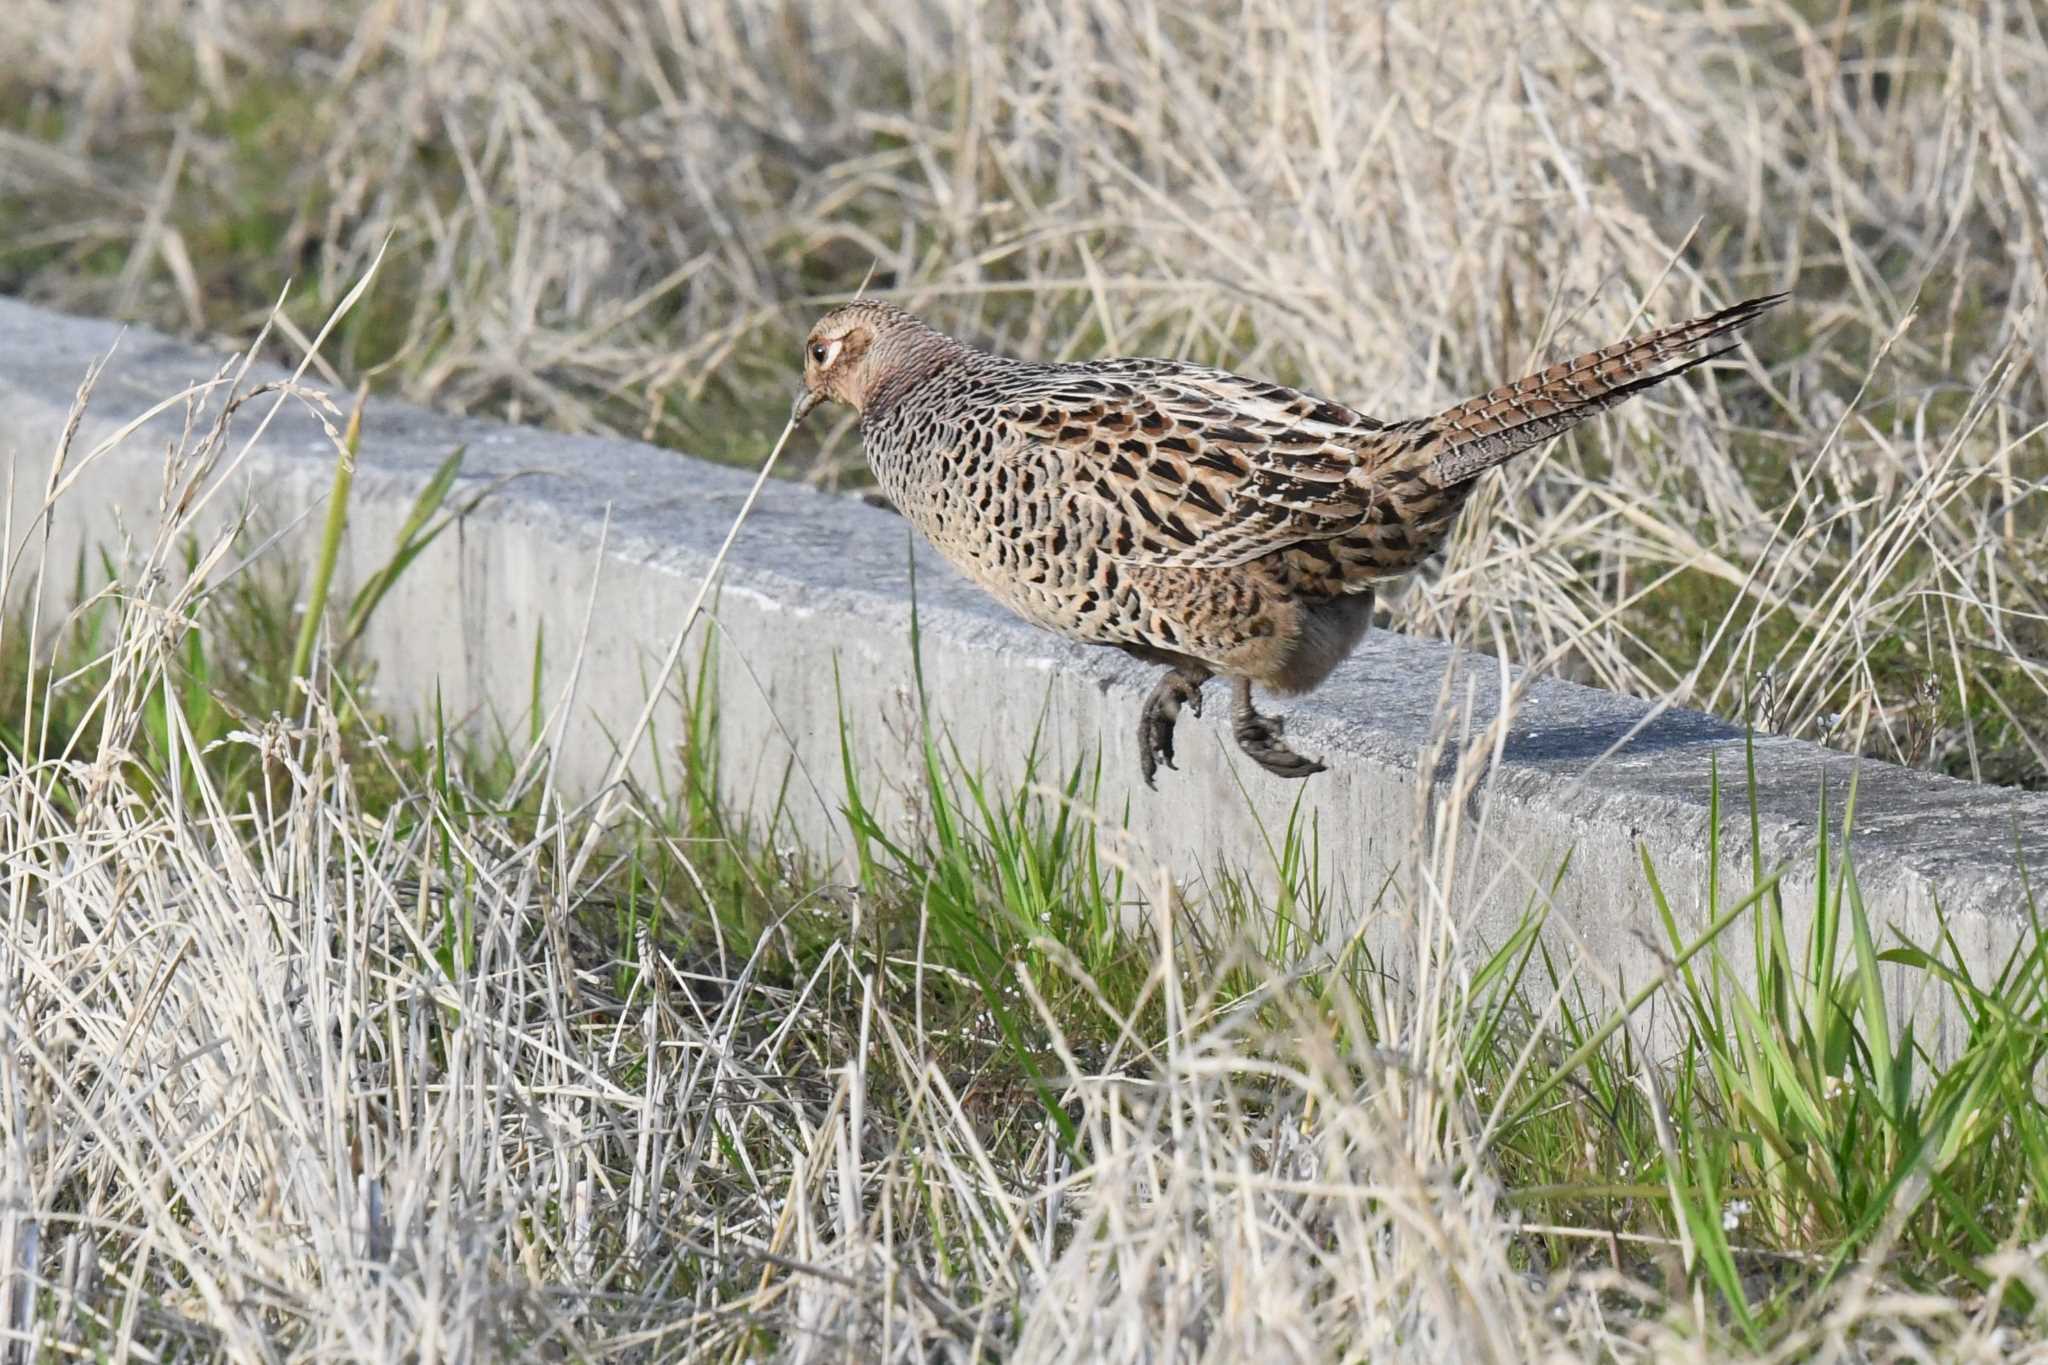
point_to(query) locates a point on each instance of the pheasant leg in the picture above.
(1259, 736)
(1180, 687)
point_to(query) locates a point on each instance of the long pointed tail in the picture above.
(1484, 431)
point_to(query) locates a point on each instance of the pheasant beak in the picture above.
(806, 399)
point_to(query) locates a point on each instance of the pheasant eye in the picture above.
(818, 352)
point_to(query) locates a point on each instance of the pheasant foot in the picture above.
(1259, 736)
(1180, 687)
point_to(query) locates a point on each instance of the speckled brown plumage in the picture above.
(1192, 517)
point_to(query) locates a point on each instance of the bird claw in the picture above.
(1156, 720)
(1259, 736)
(1155, 746)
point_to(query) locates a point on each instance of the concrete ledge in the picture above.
(817, 579)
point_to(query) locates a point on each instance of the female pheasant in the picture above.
(1188, 516)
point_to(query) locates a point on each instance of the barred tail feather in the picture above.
(1485, 431)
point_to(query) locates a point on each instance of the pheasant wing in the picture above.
(1184, 466)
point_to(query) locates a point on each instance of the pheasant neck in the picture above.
(900, 363)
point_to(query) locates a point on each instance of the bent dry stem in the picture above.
(630, 741)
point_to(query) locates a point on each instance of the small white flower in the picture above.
(1732, 1213)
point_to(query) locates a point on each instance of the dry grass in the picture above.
(621, 215)
(313, 1048)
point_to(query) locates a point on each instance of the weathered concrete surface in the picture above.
(813, 620)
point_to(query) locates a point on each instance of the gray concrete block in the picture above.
(813, 620)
